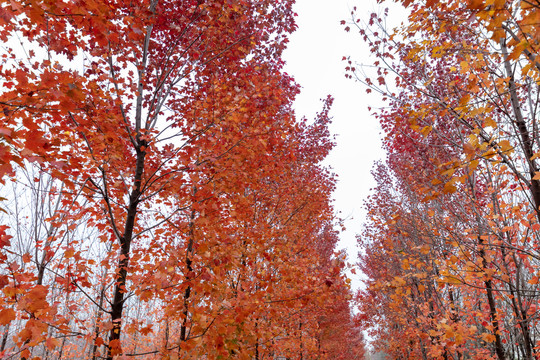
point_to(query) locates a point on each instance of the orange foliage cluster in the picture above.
(452, 247)
(161, 199)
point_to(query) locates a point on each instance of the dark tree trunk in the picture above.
(123, 262)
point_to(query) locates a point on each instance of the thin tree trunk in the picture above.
(521, 315)
(189, 268)
(123, 261)
(98, 318)
(526, 142)
(5, 337)
(166, 333)
(499, 349)
(301, 343)
(454, 315)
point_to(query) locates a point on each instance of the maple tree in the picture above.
(165, 200)
(451, 249)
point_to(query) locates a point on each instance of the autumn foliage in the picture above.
(452, 245)
(160, 199)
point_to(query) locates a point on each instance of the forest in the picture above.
(451, 247)
(159, 197)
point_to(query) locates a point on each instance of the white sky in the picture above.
(314, 58)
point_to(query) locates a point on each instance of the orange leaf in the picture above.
(51, 343)
(69, 253)
(115, 346)
(476, 4)
(488, 337)
(26, 258)
(99, 341)
(6, 316)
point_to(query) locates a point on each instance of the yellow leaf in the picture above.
(490, 122)
(489, 154)
(449, 188)
(426, 130)
(505, 145)
(464, 101)
(526, 69)
(405, 264)
(451, 280)
(464, 67)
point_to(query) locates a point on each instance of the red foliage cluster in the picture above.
(161, 199)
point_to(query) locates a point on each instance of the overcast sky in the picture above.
(314, 58)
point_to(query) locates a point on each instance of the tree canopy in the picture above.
(451, 247)
(160, 198)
